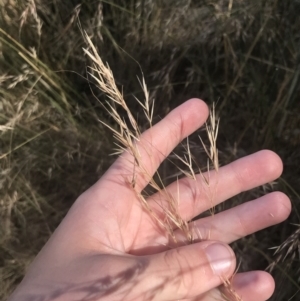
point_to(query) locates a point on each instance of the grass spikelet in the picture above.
(212, 129)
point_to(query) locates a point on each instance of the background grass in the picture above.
(245, 55)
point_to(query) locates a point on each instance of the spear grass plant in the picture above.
(128, 133)
(126, 136)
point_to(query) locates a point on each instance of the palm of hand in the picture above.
(109, 248)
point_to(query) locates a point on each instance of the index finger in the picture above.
(156, 144)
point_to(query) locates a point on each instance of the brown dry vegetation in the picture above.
(244, 55)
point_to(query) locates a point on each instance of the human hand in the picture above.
(109, 248)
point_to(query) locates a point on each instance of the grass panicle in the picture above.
(128, 134)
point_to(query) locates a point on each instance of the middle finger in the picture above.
(195, 196)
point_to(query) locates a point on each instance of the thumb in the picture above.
(189, 271)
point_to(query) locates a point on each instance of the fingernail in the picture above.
(220, 258)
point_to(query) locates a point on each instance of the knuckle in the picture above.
(239, 177)
(194, 191)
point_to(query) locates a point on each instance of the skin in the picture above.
(109, 248)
